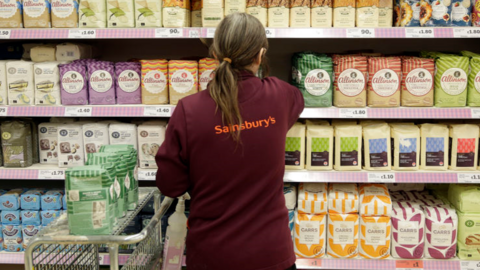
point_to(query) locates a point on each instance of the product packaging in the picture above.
(36, 14)
(21, 89)
(93, 14)
(70, 145)
(375, 200)
(258, 9)
(120, 14)
(408, 240)
(343, 198)
(344, 13)
(176, 13)
(206, 72)
(64, 13)
(377, 149)
(312, 198)
(367, 13)
(127, 83)
(463, 147)
(343, 235)
(375, 234)
(434, 147)
(73, 84)
(351, 76)
(385, 75)
(319, 147)
(406, 147)
(101, 86)
(182, 79)
(154, 81)
(348, 145)
(451, 80)
(148, 13)
(440, 232)
(278, 13)
(295, 147)
(310, 234)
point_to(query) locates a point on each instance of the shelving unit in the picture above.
(19, 258)
(389, 264)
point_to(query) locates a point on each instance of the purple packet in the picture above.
(73, 84)
(83, 61)
(128, 83)
(101, 86)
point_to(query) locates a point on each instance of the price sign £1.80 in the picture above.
(353, 113)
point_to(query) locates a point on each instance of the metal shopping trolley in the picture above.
(54, 248)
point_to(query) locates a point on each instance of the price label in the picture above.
(157, 111)
(475, 113)
(101, 259)
(194, 33)
(468, 177)
(51, 174)
(409, 265)
(353, 113)
(78, 111)
(168, 32)
(470, 265)
(419, 32)
(386, 177)
(308, 263)
(360, 33)
(149, 175)
(270, 32)
(3, 111)
(210, 32)
(466, 33)
(82, 33)
(5, 33)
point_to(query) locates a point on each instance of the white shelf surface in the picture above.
(151, 33)
(19, 258)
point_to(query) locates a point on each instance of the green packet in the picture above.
(451, 80)
(465, 197)
(312, 73)
(468, 238)
(473, 91)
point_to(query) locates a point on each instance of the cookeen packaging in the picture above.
(385, 75)
(348, 145)
(406, 147)
(319, 147)
(182, 79)
(312, 198)
(150, 137)
(47, 83)
(408, 240)
(11, 15)
(310, 234)
(48, 142)
(64, 13)
(312, 73)
(464, 147)
(295, 147)
(434, 147)
(417, 82)
(377, 149)
(375, 237)
(343, 235)
(351, 76)
(451, 81)
(154, 81)
(375, 200)
(343, 198)
(20, 83)
(322, 13)
(127, 83)
(440, 232)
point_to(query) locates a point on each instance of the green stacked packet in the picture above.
(451, 80)
(91, 199)
(473, 92)
(312, 73)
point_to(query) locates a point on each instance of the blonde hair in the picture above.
(239, 38)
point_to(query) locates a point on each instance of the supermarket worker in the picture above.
(226, 147)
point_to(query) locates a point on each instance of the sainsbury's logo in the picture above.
(265, 123)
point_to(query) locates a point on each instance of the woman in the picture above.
(226, 147)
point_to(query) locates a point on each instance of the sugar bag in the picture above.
(150, 137)
(94, 136)
(73, 84)
(348, 145)
(319, 147)
(342, 235)
(148, 13)
(12, 238)
(310, 234)
(52, 200)
(70, 142)
(343, 198)
(351, 75)
(36, 14)
(434, 144)
(12, 16)
(290, 193)
(154, 81)
(48, 142)
(29, 232)
(20, 83)
(322, 13)
(396, 196)
(406, 147)
(312, 198)
(465, 197)
(10, 217)
(31, 217)
(31, 199)
(206, 72)
(464, 147)
(385, 74)
(16, 144)
(375, 200)
(182, 79)
(101, 86)
(295, 147)
(300, 13)
(415, 195)
(408, 224)
(394, 187)
(375, 237)
(451, 80)
(278, 13)
(120, 13)
(196, 13)
(127, 83)
(376, 139)
(367, 13)
(344, 13)
(10, 200)
(123, 134)
(176, 13)
(312, 73)
(441, 232)
(93, 14)
(258, 9)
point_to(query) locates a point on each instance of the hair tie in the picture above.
(227, 59)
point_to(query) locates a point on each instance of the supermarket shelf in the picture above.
(89, 111)
(151, 33)
(392, 113)
(18, 258)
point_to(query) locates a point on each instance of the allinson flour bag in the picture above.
(322, 13)
(101, 86)
(93, 14)
(434, 145)
(182, 79)
(232, 6)
(176, 13)
(451, 81)
(36, 14)
(473, 92)
(278, 13)
(148, 13)
(319, 147)
(417, 82)
(463, 147)
(47, 83)
(295, 148)
(348, 146)
(351, 75)
(377, 150)
(11, 14)
(21, 89)
(312, 73)
(206, 72)
(300, 13)
(120, 13)
(385, 75)
(196, 13)
(406, 147)
(64, 13)
(367, 13)
(344, 13)
(258, 9)
(127, 83)
(73, 84)
(154, 81)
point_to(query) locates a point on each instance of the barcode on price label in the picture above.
(51, 174)
(168, 32)
(468, 177)
(419, 32)
(470, 265)
(360, 33)
(5, 33)
(157, 111)
(82, 33)
(147, 175)
(409, 265)
(308, 263)
(3, 111)
(381, 177)
(353, 113)
(78, 111)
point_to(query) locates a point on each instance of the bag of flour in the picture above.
(343, 198)
(154, 81)
(16, 144)
(300, 13)
(47, 83)
(406, 147)
(290, 194)
(312, 73)
(64, 13)
(351, 73)
(463, 147)
(258, 9)
(94, 136)
(70, 145)
(11, 17)
(93, 14)
(123, 134)
(343, 235)
(36, 14)
(73, 84)
(376, 139)
(206, 72)
(295, 148)
(101, 85)
(48, 141)
(212, 12)
(434, 147)
(182, 79)
(312, 198)
(417, 82)
(375, 200)
(344, 13)
(385, 13)
(176, 13)
(451, 81)
(322, 13)
(148, 13)
(468, 237)
(120, 13)
(319, 147)
(464, 197)
(367, 13)
(408, 226)
(128, 82)
(348, 145)
(375, 235)
(473, 91)
(396, 187)
(278, 13)
(232, 6)
(150, 138)
(385, 75)
(196, 13)
(20, 83)
(310, 234)
(440, 232)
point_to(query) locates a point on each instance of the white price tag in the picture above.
(270, 32)
(168, 32)
(147, 175)
(419, 32)
(3, 111)
(78, 111)
(468, 32)
(360, 33)
(82, 33)
(210, 32)
(379, 177)
(468, 177)
(51, 174)
(470, 265)
(194, 33)
(157, 111)
(5, 33)
(353, 113)
(475, 113)
(101, 259)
